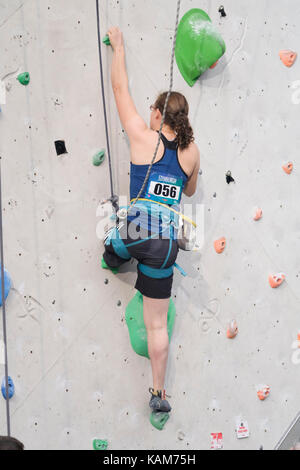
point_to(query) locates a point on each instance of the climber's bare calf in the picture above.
(155, 319)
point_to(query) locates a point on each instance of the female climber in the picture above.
(145, 234)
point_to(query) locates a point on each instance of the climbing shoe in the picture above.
(104, 265)
(158, 401)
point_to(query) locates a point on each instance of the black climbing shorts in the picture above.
(149, 252)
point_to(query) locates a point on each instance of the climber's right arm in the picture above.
(191, 184)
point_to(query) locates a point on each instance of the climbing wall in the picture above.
(76, 377)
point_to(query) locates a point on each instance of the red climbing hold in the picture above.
(264, 392)
(276, 280)
(288, 57)
(220, 245)
(214, 65)
(232, 330)
(258, 214)
(288, 167)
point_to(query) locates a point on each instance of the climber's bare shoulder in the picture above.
(143, 145)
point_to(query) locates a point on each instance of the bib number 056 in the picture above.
(165, 190)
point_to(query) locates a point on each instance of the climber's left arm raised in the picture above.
(132, 122)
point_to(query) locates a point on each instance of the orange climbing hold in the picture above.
(258, 214)
(232, 330)
(276, 280)
(264, 392)
(288, 167)
(214, 65)
(220, 245)
(288, 57)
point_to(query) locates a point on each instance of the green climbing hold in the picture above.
(158, 419)
(24, 78)
(99, 158)
(198, 45)
(105, 266)
(99, 444)
(106, 40)
(136, 326)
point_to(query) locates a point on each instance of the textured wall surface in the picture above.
(75, 373)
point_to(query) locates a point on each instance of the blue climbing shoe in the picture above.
(158, 402)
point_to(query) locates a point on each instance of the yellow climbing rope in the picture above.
(184, 217)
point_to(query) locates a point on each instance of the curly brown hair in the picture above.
(177, 117)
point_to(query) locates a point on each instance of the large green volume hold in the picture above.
(135, 321)
(198, 45)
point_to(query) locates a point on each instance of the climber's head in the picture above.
(176, 118)
(10, 443)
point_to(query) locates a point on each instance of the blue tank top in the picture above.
(165, 184)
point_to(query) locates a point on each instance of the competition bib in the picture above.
(164, 188)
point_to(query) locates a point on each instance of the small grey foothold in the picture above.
(200, 172)
(215, 195)
(105, 281)
(119, 303)
(180, 435)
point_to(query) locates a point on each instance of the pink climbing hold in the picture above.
(288, 57)
(220, 245)
(214, 65)
(288, 168)
(276, 280)
(263, 392)
(258, 214)
(232, 330)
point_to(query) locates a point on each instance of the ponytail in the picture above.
(184, 132)
(177, 117)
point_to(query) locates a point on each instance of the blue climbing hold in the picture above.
(11, 387)
(7, 285)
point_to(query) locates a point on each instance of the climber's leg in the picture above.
(155, 319)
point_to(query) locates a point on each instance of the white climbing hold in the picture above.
(242, 429)
(216, 440)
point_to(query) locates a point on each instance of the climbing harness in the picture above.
(122, 250)
(4, 314)
(186, 236)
